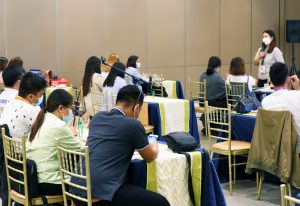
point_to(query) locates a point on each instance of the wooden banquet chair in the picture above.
(71, 165)
(16, 171)
(218, 123)
(233, 92)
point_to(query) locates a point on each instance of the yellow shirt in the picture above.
(43, 148)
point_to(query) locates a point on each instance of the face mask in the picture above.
(138, 65)
(217, 69)
(41, 99)
(267, 40)
(68, 118)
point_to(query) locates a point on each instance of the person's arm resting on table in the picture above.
(148, 151)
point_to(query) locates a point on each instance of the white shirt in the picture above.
(242, 79)
(7, 95)
(19, 115)
(119, 83)
(97, 85)
(269, 60)
(285, 100)
(112, 93)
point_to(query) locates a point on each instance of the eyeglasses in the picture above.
(72, 108)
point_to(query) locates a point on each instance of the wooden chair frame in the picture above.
(233, 91)
(286, 197)
(221, 119)
(15, 152)
(69, 162)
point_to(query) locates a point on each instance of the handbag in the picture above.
(181, 142)
(245, 104)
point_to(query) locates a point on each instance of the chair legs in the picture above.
(230, 174)
(234, 169)
(260, 181)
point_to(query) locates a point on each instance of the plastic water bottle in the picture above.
(80, 128)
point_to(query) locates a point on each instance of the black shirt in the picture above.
(112, 139)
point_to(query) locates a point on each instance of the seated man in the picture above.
(113, 137)
(20, 113)
(11, 78)
(282, 98)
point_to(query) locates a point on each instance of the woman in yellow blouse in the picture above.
(49, 128)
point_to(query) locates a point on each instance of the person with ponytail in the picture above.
(50, 127)
(215, 85)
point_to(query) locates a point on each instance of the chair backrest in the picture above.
(233, 91)
(78, 100)
(99, 101)
(15, 154)
(287, 199)
(72, 165)
(218, 123)
(198, 91)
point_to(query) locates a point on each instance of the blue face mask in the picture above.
(68, 118)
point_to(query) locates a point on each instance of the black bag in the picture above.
(245, 105)
(181, 142)
(32, 180)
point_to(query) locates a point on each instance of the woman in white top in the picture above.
(114, 82)
(115, 79)
(133, 67)
(266, 56)
(92, 79)
(238, 73)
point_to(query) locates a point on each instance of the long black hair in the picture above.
(56, 98)
(131, 62)
(213, 63)
(114, 73)
(92, 66)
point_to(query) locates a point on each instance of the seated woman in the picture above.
(133, 67)
(115, 79)
(92, 79)
(215, 85)
(49, 128)
(238, 73)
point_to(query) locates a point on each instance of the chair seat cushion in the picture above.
(235, 145)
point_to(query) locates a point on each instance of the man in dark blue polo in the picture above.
(113, 137)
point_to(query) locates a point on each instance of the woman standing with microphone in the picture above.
(266, 56)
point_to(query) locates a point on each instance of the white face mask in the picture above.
(138, 65)
(39, 102)
(267, 40)
(217, 69)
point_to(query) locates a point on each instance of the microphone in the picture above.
(103, 60)
(263, 46)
